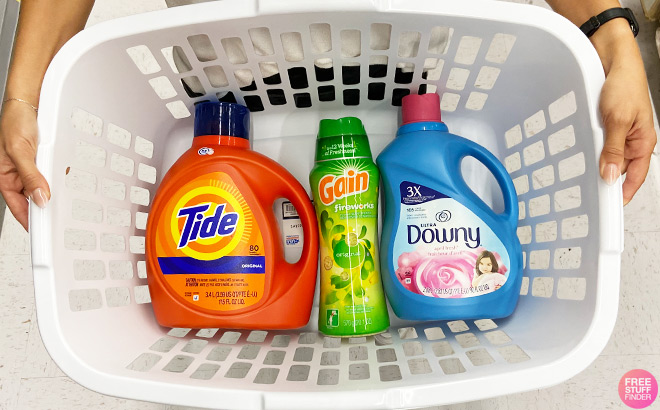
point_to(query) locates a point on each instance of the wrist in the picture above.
(16, 89)
(20, 101)
(615, 43)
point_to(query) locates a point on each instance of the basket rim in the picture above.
(611, 215)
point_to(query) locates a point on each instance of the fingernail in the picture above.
(39, 198)
(612, 173)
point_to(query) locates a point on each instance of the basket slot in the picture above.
(144, 59)
(318, 38)
(353, 360)
(88, 269)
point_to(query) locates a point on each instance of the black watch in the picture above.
(590, 27)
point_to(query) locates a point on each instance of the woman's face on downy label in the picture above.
(485, 265)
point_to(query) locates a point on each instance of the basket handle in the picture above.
(611, 198)
(472, 149)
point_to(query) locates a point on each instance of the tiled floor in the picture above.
(29, 380)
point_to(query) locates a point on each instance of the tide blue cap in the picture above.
(222, 118)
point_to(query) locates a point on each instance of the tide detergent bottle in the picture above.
(446, 254)
(215, 256)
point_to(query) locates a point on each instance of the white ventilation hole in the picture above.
(561, 140)
(571, 167)
(380, 35)
(144, 147)
(513, 136)
(292, 46)
(568, 258)
(543, 177)
(90, 154)
(476, 101)
(500, 48)
(203, 48)
(88, 269)
(457, 78)
(85, 122)
(563, 108)
(409, 44)
(535, 124)
(449, 102)
(178, 109)
(118, 136)
(572, 288)
(86, 211)
(144, 60)
(468, 48)
(440, 39)
(163, 88)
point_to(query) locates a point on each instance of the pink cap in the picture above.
(420, 108)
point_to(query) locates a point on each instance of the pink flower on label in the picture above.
(444, 276)
(407, 262)
(438, 276)
(405, 276)
(409, 259)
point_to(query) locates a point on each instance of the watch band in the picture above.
(590, 27)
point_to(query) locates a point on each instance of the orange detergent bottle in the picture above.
(214, 252)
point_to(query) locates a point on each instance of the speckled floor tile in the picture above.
(12, 355)
(637, 330)
(473, 405)
(61, 393)
(181, 408)
(14, 240)
(639, 212)
(553, 398)
(16, 290)
(38, 362)
(596, 388)
(109, 10)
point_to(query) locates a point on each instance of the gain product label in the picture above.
(443, 250)
(345, 190)
(209, 246)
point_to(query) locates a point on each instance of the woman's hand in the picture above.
(627, 116)
(19, 177)
(625, 106)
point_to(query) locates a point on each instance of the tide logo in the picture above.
(332, 187)
(206, 219)
(197, 226)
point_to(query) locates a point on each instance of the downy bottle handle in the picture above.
(472, 149)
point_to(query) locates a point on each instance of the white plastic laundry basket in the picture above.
(114, 115)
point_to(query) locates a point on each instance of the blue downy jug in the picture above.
(446, 254)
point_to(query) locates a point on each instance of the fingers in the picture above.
(612, 159)
(18, 205)
(35, 186)
(637, 170)
(639, 151)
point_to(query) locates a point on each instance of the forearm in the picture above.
(43, 27)
(613, 41)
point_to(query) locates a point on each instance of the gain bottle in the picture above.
(344, 183)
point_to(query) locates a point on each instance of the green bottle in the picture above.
(344, 183)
